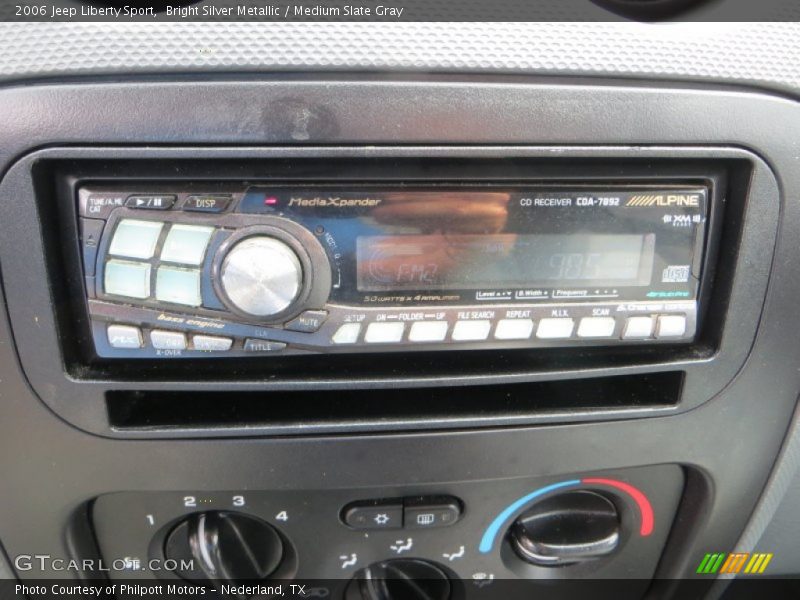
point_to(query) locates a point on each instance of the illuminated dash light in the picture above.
(270, 201)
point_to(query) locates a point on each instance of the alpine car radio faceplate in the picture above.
(275, 269)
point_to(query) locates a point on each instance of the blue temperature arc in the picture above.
(487, 541)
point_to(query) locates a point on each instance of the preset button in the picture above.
(595, 327)
(555, 328)
(347, 334)
(513, 329)
(638, 328)
(671, 326)
(384, 333)
(465, 331)
(428, 331)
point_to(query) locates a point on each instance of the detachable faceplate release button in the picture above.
(378, 514)
(431, 511)
(308, 322)
(91, 230)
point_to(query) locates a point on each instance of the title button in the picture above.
(257, 345)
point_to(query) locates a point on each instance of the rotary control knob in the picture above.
(569, 528)
(224, 546)
(261, 276)
(399, 579)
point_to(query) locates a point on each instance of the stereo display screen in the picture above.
(463, 261)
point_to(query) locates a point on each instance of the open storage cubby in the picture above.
(176, 409)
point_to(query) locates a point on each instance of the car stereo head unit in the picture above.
(231, 270)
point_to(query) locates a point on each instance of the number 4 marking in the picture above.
(282, 516)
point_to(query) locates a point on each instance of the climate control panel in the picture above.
(464, 536)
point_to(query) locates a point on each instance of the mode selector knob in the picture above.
(224, 546)
(400, 579)
(261, 276)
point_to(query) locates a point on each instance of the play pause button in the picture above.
(151, 202)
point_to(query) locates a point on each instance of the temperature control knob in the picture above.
(261, 276)
(224, 546)
(399, 579)
(568, 528)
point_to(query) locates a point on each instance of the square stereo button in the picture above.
(186, 244)
(135, 239)
(178, 286)
(128, 279)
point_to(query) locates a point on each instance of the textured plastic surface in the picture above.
(752, 53)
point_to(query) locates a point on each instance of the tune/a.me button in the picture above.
(596, 327)
(466, 331)
(513, 329)
(555, 328)
(428, 331)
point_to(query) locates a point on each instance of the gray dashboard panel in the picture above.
(63, 462)
(764, 55)
(758, 54)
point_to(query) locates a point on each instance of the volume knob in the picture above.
(261, 276)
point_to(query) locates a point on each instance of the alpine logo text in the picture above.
(664, 200)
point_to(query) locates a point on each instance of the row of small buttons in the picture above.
(209, 203)
(99, 206)
(550, 328)
(418, 512)
(185, 244)
(130, 337)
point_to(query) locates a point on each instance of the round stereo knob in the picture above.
(261, 276)
(568, 528)
(224, 546)
(399, 578)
